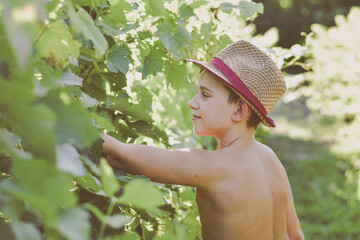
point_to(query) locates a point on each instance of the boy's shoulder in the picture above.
(249, 159)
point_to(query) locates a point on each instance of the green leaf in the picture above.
(88, 3)
(68, 160)
(88, 182)
(8, 143)
(25, 231)
(136, 111)
(117, 59)
(118, 9)
(34, 122)
(227, 7)
(125, 236)
(142, 194)
(249, 9)
(103, 122)
(16, 45)
(96, 83)
(117, 81)
(117, 220)
(74, 224)
(70, 79)
(50, 77)
(186, 11)
(56, 43)
(143, 96)
(198, 3)
(174, 37)
(108, 28)
(95, 86)
(110, 183)
(82, 22)
(153, 63)
(88, 101)
(73, 122)
(174, 231)
(47, 191)
(155, 8)
(176, 75)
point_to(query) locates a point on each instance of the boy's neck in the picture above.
(238, 138)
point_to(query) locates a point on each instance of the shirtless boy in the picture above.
(242, 190)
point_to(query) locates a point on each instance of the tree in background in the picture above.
(294, 17)
(333, 85)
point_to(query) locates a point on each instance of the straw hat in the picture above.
(251, 74)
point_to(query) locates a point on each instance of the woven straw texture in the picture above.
(256, 70)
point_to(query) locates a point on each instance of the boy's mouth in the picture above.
(195, 117)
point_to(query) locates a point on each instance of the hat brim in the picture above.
(265, 120)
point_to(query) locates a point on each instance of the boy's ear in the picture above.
(241, 111)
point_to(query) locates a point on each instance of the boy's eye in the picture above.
(205, 95)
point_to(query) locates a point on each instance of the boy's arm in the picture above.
(293, 225)
(192, 167)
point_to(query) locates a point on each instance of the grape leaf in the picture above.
(88, 3)
(102, 122)
(34, 122)
(8, 143)
(227, 7)
(174, 37)
(117, 220)
(249, 9)
(110, 183)
(73, 122)
(88, 182)
(68, 160)
(136, 111)
(176, 75)
(95, 86)
(117, 59)
(82, 22)
(70, 79)
(74, 224)
(117, 10)
(107, 28)
(47, 190)
(56, 43)
(153, 63)
(155, 8)
(88, 101)
(24, 231)
(142, 194)
(186, 11)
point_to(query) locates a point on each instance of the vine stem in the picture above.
(103, 223)
(41, 34)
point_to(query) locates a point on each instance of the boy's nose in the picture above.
(193, 104)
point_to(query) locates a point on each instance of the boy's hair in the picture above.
(253, 120)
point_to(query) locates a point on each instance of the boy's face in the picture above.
(211, 109)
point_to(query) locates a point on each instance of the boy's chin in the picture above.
(200, 133)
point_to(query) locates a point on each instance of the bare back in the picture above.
(250, 200)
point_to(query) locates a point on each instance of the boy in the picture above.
(242, 190)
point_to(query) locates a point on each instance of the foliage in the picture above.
(325, 201)
(72, 69)
(332, 87)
